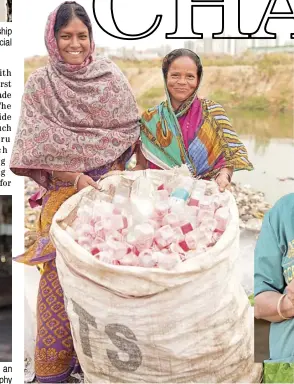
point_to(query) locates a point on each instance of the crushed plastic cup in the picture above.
(222, 216)
(85, 242)
(130, 259)
(155, 223)
(161, 195)
(119, 222)
(200, 184)
(161, 208)
(196, 197)
(204, 237)
(164, 236)
(141, 237)
(209, 223)
(107, 222)
(167, 261)
(184, 246)
(106, 257)
(176, 248)
(186, 227)
(142, 209)
(86, 230)
(122, 193)
(204, 214)
(216, 236)
(119, 249)
(191, 239)
(116, 236)
(178, 235)
(206, 204)
(171, 219)
(146, 259)
(191, 215)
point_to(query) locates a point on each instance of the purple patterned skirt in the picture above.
(55, 358)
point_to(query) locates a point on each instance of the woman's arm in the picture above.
(141, 161)
(265, 307)
(81, 180)
(234, 150)
(68, 177)
(269, 280)
(224, 177)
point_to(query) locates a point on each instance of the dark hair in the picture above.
(175, 54)
(68, 11)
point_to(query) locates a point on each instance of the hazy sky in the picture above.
(134, 16)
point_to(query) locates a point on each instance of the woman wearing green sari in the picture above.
(187, 130)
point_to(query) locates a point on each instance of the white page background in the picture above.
(132, 16)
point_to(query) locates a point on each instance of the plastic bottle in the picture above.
(182, 191)
(122, 193)
(142, 199)
(222, 216)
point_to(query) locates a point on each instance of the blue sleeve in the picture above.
(268, 272)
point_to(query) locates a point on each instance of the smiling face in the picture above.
(182, 80)
(73, 42)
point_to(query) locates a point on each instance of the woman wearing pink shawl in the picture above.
(79, 120)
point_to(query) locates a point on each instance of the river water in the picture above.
(269, 140)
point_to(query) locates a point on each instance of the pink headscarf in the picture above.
(74, 117)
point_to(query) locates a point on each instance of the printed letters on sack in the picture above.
(112, 330)
(85, 319)
(125, 345)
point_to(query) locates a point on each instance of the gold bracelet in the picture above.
(279, 307)
(77, 180)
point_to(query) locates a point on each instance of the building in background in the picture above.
(205, 46)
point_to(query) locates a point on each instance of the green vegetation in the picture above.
(248, 58)
(151, 97)
(278, 372)
(251, 300)
(253, 102)
(271, 72)
(231, 99)
(261, 125)
(124, 64)
(223, 97)
(32, 64)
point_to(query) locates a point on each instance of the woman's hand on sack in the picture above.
(223, 181)
(83, 182)
(290, 292)
(86, 181)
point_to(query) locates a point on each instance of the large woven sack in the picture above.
(133, 325)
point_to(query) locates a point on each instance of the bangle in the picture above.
(279, 307)
(76, 181)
